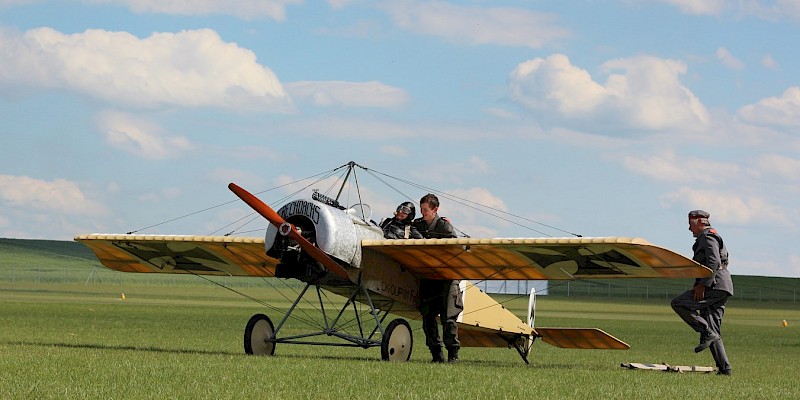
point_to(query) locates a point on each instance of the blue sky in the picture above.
(602, 118)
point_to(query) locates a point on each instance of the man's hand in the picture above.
(699, 292)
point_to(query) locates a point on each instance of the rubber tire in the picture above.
(257, 333)
(397, 341)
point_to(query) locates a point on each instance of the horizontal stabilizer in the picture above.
(669, 368)
(580, 338)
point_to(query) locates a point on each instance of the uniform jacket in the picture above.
(439, 228)
(710, 250)
(394, 229)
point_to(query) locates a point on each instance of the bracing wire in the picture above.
(383, 178)
(470, 203)
(235, 201)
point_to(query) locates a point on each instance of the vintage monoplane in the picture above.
(341, 250)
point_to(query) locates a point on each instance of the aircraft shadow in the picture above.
(466, 362)
(120, 347)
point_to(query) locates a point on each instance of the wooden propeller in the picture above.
(288, 229)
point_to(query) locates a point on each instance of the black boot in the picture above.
(706, 340)
(452, 355)
(438, 356)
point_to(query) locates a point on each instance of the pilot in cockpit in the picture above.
(399, 226)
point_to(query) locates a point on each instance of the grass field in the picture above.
(81, 341)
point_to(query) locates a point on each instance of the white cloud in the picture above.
(649, 95)
(765, 9)
(474, 211)
(502, 26)
(698, 7)
(394, 150)
(770, 63)
(348, 94)
(770, 9)
(337, 4)
(728, 59)
(728, 207)
(453, 172)
(780, 111)
(555, 83)
(775, 165)
(187, 68)
(351, 128)
(59, 196)
(224, 176)
(668, 167)
(244, 9)
(140, 137)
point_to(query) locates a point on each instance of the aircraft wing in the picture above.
(201, 255)
(537, 258)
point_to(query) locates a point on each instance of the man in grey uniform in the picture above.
(438, 297)
(703, 306)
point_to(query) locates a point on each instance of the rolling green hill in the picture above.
(26, 253)
(65, 261)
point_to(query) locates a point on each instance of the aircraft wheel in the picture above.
(257, 336)
(397, 341)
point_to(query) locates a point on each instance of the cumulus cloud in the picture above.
(555, 83)
(474, 211)
(647, 94)
(502, 26)
(728, 59)
(140, 137)
(60, 196)
(348, 94)
(188, 68)
(778, 111)
(244, 9)
(727, 207)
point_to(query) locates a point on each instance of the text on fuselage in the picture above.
(301, 207)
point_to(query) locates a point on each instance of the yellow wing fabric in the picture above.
(202, 255)
(537, 258)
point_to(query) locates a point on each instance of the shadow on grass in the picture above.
(462, 363)
(119, 347)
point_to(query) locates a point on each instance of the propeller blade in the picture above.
(275, 219)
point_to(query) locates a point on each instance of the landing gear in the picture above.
(259, 336)
(397, 341)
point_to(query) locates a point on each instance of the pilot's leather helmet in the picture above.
(408, 208)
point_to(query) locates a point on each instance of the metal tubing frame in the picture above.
(329, 328)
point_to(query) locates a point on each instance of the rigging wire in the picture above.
(231, 202)
(497, 213)
(467, 203)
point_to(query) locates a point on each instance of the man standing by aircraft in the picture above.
(438, 297)
(703, 306)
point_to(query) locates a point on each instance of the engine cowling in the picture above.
(335, 231)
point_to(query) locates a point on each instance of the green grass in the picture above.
(83, 341)
(66, 333)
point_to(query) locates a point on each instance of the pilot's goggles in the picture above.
(404, 209)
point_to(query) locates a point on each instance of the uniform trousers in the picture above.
(440, 298)
(705, 316)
